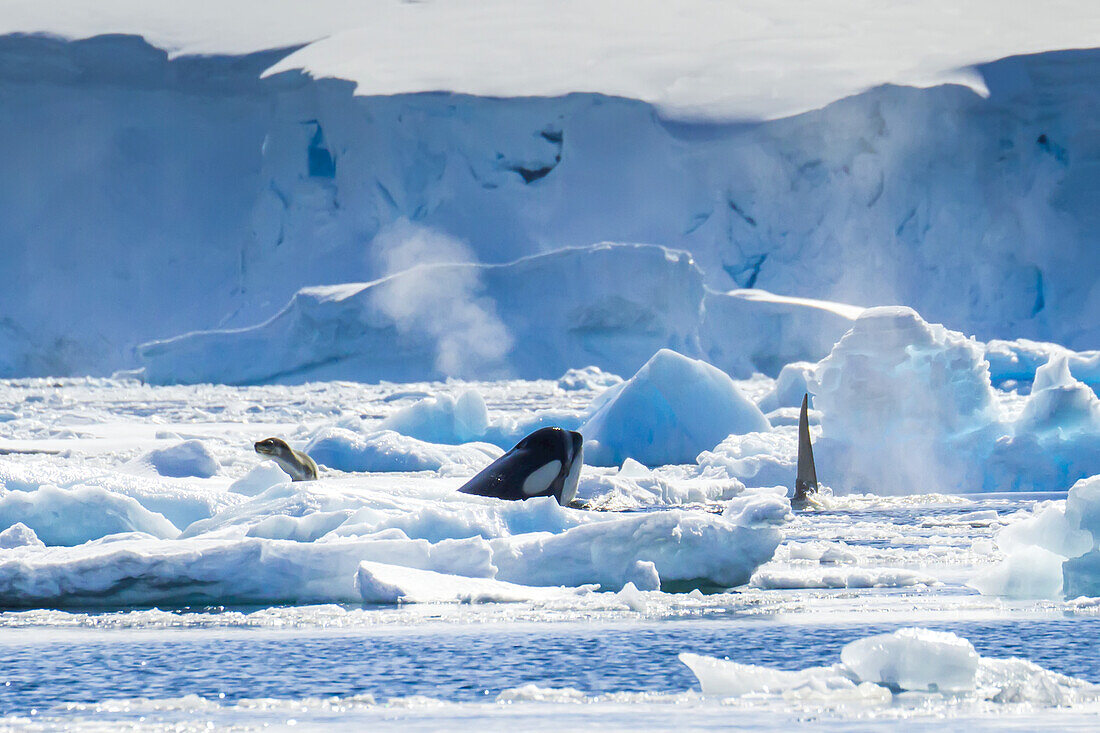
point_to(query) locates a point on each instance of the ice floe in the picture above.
(380, 583)
(304, 542)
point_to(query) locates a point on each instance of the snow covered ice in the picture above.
(403, 236)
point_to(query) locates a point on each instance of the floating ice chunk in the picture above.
(309, 528)
(1026, 572)
(672, 409)
(1050, 554)
(900, 399)
(74, 516)
(926, 662)
(635, 486)
(19, 535)
(374, 589)
(434, 512)
(1051, 527)
(442, 419)
(791, 384)
(1056, 439)
(259, 479)
(758, 510)
(1081, 575)
(914, 659)
(181, 501)
(633, 469)
(590, 378)
(387, 584)
(1020, 681)
(388, 450)
(1058, 402)
(643, 575)
(633, 598)
(1083, 507)
(189, 458)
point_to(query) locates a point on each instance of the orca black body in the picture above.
(805, 482)
(545, 463)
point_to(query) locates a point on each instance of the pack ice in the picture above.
(349, 540)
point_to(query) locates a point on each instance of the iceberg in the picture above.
(671, 410)
(906, 406)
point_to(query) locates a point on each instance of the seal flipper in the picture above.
(805, 482)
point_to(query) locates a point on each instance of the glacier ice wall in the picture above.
(147, 197)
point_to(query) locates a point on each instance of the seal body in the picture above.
(545, 463)
(296, 463)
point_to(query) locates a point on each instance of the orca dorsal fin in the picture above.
(806, 480)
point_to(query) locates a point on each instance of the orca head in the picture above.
(545, 463)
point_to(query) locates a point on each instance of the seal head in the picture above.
(296, 463)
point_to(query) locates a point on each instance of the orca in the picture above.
(545, 463)
(805, 482)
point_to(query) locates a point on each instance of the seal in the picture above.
(805, 482)
(545, 463)
(300, 466)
